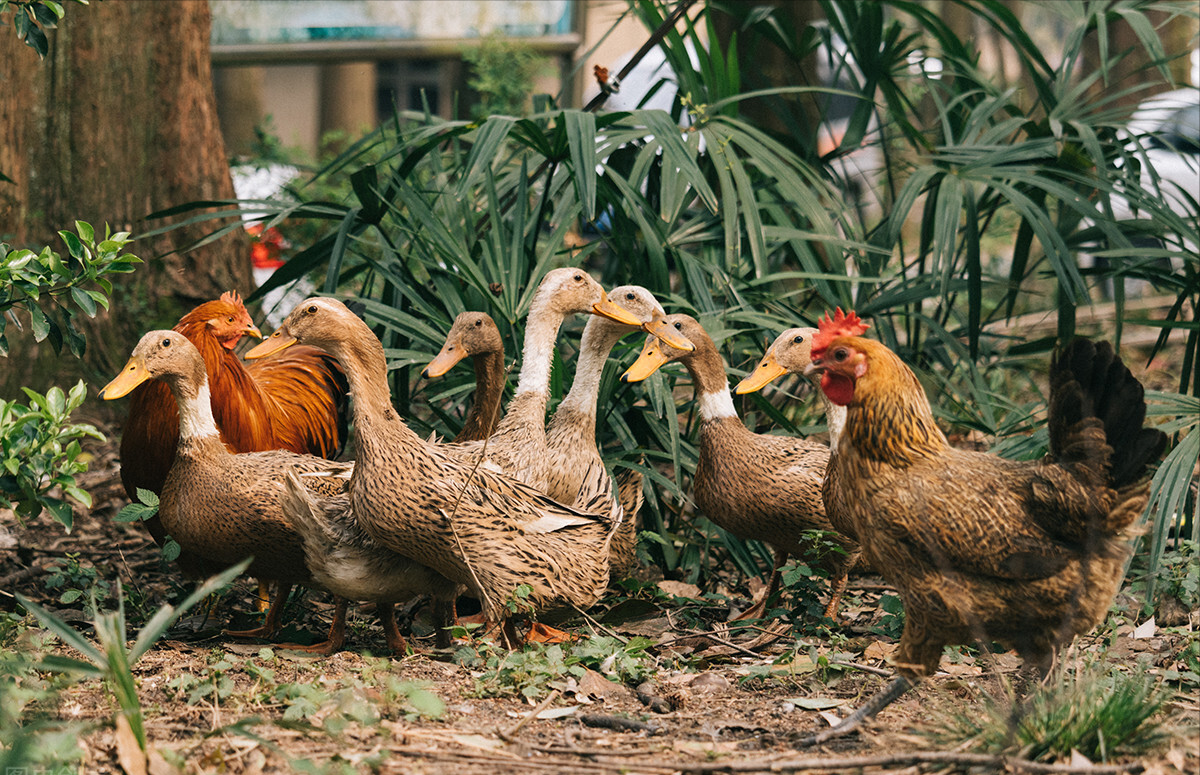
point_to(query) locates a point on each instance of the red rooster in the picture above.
(295, 401)
(1029, 554)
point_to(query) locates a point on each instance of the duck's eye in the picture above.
(578, 278)
(166, 343)
(629, 296)
(798, 340)
(312, 309)
(679, 326)
(840, 354)
(478, 323)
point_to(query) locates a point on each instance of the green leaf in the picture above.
(85, 301)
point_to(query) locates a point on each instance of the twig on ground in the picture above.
(865, 668)
(617, 723)
(510, 734)
(842, 764)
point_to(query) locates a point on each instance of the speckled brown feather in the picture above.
(1026, 553)
(472, 525)
(758, 486)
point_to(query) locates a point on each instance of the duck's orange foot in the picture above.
(265, 631)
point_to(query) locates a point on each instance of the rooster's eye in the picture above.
(840, 354)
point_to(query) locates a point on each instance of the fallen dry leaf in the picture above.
(680, 589)
(130, 755)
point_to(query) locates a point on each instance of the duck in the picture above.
(792, 354)
(224, 507)
(756, 486)
(573, 456)
(516, 549)
(518, 446)
(343, 559)
(475, 335)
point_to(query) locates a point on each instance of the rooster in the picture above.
(1029, 554)
(294, 402)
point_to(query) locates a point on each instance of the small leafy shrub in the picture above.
(891, 624)
(536, 669)
(40, 453)
(77, 581)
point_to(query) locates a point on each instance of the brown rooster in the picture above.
(1029, 554)
(295, 401)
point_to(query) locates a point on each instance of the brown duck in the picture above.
(574, 459)
(513, 546)
(756, 486)
(218, 506)
(475, 335)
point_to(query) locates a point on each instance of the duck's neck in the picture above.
(599, 337)
(713, 399)
(375, 420)
(489, 389)
(197, 426)
(541, 333)
(835, 419)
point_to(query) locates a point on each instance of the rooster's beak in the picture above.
(271, 345)
(768, 370)
(253, 331)
(134, 374)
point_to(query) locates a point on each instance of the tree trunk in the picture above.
(120, 120)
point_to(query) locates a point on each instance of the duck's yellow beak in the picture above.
(660, 328)
(650, 361)
(607, 308)
(253, 331)
(445, 360)
(768, 369)
(134, 374)
(271, 345)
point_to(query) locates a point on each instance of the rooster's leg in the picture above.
(867, 711)
(337, 634)
(274, 615)
(760, 606)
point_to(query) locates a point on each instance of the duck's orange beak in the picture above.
(451, 354)
(768, 369)
(660, 328)
(271, 345)
(134, 374)
(608, 308)
(650, 361)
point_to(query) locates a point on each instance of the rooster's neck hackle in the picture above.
(889, 419)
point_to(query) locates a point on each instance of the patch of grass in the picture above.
(1099, 713)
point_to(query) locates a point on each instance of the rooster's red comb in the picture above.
(841, 324)
(232, 297)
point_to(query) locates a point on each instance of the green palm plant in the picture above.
(987, 200)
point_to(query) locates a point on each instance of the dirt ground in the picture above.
(711, 699)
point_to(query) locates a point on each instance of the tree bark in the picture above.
(120, 120)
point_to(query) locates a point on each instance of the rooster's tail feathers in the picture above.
(1089, 380)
